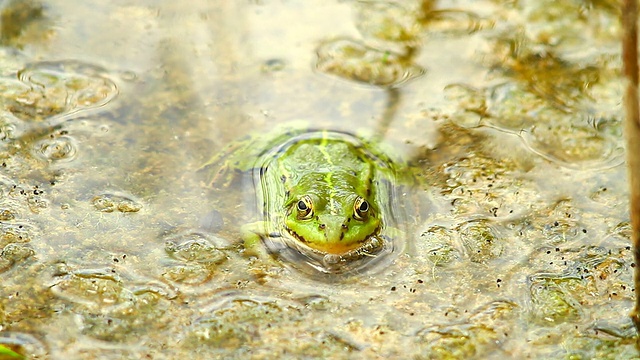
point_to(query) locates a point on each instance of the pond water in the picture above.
(114, 244)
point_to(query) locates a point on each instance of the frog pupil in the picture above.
(304, 207)
(361, 207)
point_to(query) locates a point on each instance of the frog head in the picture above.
(332, 224)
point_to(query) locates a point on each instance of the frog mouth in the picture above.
(337, 248)
(370, 247)
(371, 254)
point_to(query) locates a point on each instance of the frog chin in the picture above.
(346, 262)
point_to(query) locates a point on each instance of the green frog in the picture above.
(327, 198)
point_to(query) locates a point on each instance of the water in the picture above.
(508, 114)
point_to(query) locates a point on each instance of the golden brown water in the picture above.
(112, 244)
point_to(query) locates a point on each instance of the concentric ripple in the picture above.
(60, 88)
(58, 149)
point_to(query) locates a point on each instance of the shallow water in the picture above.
(509, 114)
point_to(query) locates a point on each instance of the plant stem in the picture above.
(630, 66)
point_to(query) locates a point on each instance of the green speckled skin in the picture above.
(326, 194)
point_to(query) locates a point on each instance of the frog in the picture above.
(327, 198)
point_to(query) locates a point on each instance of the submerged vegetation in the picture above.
(507, 116)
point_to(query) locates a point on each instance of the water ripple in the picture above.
(353, 60)
(56, 149)
(61, 88)
(575, 146)
(194, 258)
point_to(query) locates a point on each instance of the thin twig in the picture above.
(630, 66)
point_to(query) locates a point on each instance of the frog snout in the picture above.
(333, 227)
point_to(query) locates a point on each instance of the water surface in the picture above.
(509, 114)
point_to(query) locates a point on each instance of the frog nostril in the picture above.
(322, 226)
(344, 227)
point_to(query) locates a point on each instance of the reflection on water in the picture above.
(516, 237)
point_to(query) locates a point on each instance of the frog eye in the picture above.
(305, 208)
(360, 208)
